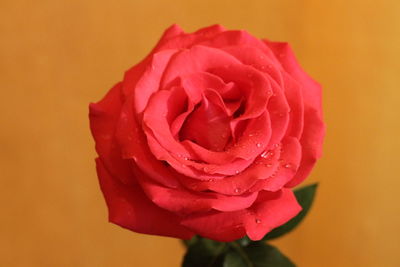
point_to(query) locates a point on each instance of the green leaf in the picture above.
(190, 242)
(305, 197)
(204, 253)
(256, 254)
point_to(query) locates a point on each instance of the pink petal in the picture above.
(196, 59)
(187, 40)
(149, 82)
(219, 226)
(129, 207)
(288, 164)
(262, 168)
(256, 58)
(186, 202)
(208, 125)
(314, 128)
(293, 93)
(103, 117)
(133, 144)
(272, 210)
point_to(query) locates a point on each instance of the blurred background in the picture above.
(56, 56)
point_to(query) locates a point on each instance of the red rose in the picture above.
(207, 135)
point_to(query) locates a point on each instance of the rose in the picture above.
(207, 135)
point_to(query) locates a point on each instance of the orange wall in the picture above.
(58, 55)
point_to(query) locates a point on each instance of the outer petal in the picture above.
(238, 38)
(219, 226)
(103, 117)
(314, 128)
(184, 202)
(133, 145)
(130, 208)
(149, 81)
(196, 59)
(187, 40)
(272, 210)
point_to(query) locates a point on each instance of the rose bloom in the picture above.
(207, 135)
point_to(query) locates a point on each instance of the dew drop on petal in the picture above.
(211, 180)
(287, 165)
(237, 171)
(268, 165)
(258, 144)
(237, 190)
(258, 221)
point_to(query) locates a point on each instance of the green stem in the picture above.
(218, 251)
(242, 253)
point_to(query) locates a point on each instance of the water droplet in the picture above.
(237, 190)
(265, 154)
(269, 92)
(258, 221)
(276, 145)
(251, 135)
(237, 171)
(205, 169)
(268, 165)
(287, 165)
(211, 180)
(185, 158)
(258, 145)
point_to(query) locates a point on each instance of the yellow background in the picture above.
(58, 55)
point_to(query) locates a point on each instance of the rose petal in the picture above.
(238, 38)
(184, 202)
(149, 82)
(262, 168)
(196, 59)
(187, 40)
(255, 57)
(208, 125)
(219, 226)
(129, 207)
(133, 145)
(288, 163)
(294, 98)
(314, 128)
(103, 117)
(271, 211)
